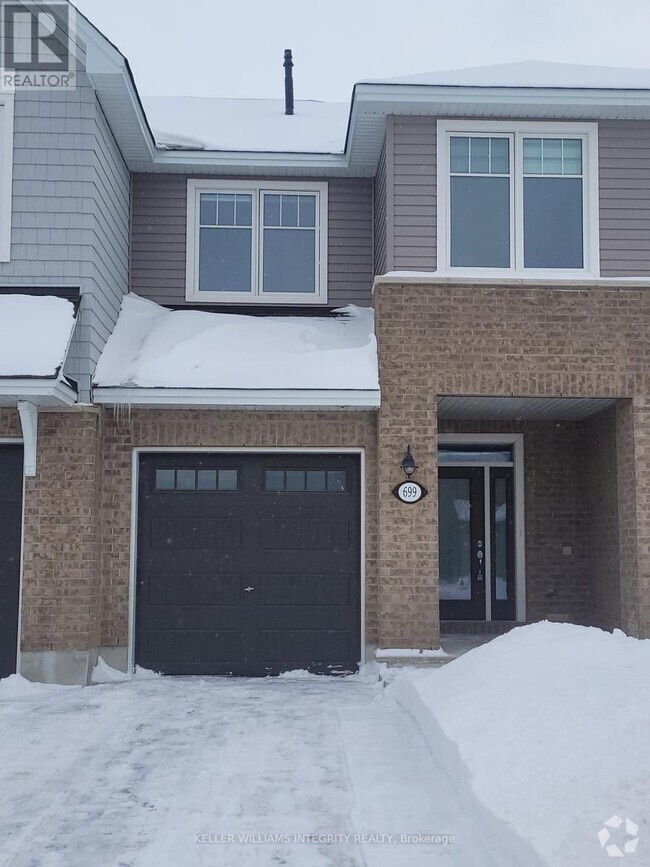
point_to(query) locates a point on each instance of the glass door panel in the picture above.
(502, 522)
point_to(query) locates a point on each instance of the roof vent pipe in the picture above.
(288, 82)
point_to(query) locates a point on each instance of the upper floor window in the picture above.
(518, 198)
(257, 242)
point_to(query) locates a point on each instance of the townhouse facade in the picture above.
(203, 480)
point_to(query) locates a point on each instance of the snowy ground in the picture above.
(130, 773)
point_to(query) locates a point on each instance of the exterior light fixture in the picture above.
(408, 463)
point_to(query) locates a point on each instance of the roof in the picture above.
(530, 73)
(153, 347)
(35, 332)
(253, 125)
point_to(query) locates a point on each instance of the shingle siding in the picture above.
(70, 212)
(160, 225)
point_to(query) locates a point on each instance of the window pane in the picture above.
(244, 210)
(185, 480)
(480, 222)
(225, 260)
(307, 211)
(226, 209)
(165, 480)
(274, 480)
(227, 480)
(552, 156)
(479, 155)
(449, 454)
(206, 480)
(459, 152)
(499, 156)
(532, 156)
(571, 156)
(336, 480)
(289, 260)
(271, 210)
(295, 480)
(316, 480)
(454, 531)
(501, 538)
(289, 211)
(553, 223)
(208, 209)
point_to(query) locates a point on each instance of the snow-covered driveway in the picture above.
(161, 771)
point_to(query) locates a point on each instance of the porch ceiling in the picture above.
(525, 408)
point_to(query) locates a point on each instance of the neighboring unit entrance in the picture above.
(11, 509)
(248, 564)
(476, 521)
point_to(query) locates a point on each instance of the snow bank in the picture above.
(550, 724)
(206, 123)
(409, 653)
(155, 347)
(103, 673)
(35, 332)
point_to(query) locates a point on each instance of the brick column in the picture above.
(633, 466)
(408, 534)
(62, 550)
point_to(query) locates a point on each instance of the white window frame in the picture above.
(516, 131)
(256, 295)
(6, 172)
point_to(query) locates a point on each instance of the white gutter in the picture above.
(50, 392)
(238, 398)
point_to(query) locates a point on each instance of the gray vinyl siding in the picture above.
(414, 193)
(624, 166)
(158, 242)
(70, 212)
(380, 214)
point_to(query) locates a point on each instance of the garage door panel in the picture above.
(193, 589)
(300, 590)
(206, 645)
(279, 570)
(305, 534)
(11, 490)
(206, 534)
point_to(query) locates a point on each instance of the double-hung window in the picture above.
(517, 198)
(257, 242)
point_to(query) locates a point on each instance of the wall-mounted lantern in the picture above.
(409, 491)
(408, 463)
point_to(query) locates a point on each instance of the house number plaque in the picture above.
(410, 492)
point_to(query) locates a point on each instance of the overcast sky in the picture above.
(234, 48)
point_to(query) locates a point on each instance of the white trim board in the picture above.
(516, 440)
(239, 398)
(42, 392)
(133, 552)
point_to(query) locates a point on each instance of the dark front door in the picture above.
(461, 523)
(11, 495)
(248, 564)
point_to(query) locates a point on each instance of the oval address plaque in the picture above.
(410, 492)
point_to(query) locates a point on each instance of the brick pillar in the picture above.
(633, 466)
(408, 534)
(62, 551)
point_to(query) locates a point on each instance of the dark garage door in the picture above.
(248, 564)
(11, 494)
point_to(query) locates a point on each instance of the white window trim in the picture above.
(588, 132)
(256, 188)
(6, 172)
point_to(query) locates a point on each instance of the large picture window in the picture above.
(257, 242)
(517, 198)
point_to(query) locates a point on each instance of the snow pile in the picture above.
(531, 73)
(103, 673)
(35, 331)
(409, 653)
(154, 347)
(206, 123)
(549, 724)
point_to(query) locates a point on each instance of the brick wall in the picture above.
(217, 428)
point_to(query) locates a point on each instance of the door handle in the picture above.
(248, 589)
(479, 556)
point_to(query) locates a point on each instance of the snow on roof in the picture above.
(35, 331)
(531, 73)
(152, 347)
(205, 123)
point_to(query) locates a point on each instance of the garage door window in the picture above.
(292, 481)
(196, 480)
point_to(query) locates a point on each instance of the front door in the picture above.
(476, 521)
